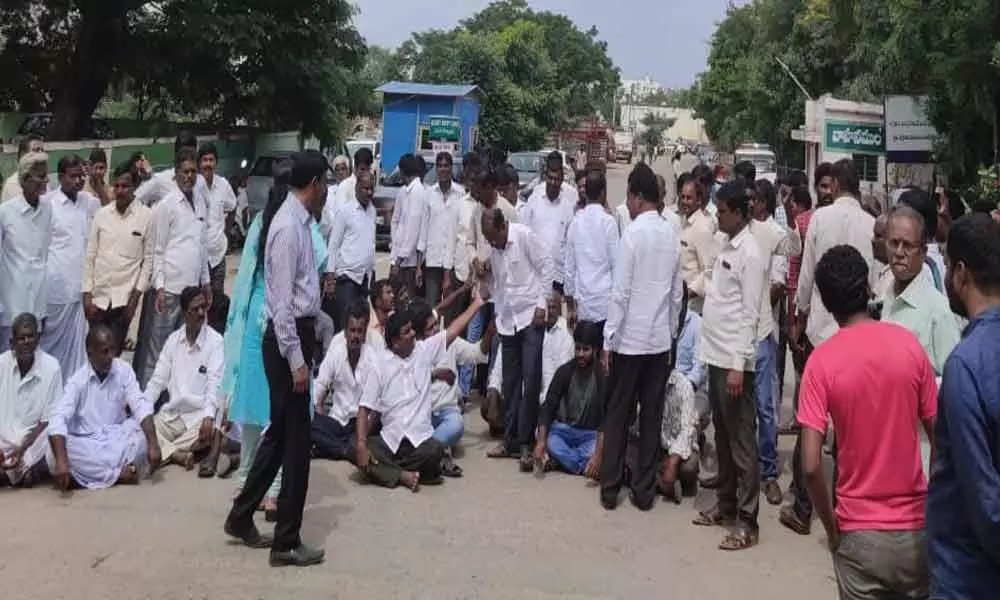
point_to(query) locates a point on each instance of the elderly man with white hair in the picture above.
(12, 185)
(25, 237)
(341, 171)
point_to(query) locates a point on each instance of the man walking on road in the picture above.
(293, 301)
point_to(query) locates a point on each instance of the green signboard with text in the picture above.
(445, 129)
(864, 138)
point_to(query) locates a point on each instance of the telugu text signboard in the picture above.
(846, 136)
(445, 129)
(907, 126)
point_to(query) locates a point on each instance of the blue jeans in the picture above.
(448, 425)
(571, 447)
(476, 329)
(765, 392)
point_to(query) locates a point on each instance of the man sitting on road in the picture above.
(190, 370)
(383, 299)
(348, 365)
(570, 419)
(95, 441)
(405, 452)
(30, 384)
(679, 438)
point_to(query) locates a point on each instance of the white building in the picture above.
(685, 127)
(639, 89)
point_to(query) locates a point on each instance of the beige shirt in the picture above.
(773, 241)
(119, 254)
(11, 188)
(699, 247)
(843, 222)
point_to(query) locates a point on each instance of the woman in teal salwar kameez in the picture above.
(244, 382)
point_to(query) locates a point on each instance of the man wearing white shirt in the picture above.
(409, 225)
(73, 212)
(444, 205)
(405, 451)
(776, 244)
(363, 161)
(179, 261)
(160, 185)
(31, 144)
(351, 251)
(548, 214)
(558, 346)
(842, 222)
(728, 347)
(698, 244)
(643, 318)
(591, 248)
(30, 385)
(522, 269)
(190, 371)
(221, 201)
(341, 172)
(667, 213)
(119, 257)
(349, 363)
(25, 236)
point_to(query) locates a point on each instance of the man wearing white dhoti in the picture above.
(94, 441)
(189, 370)
(73, 211)
(25, 234)
(30, 384)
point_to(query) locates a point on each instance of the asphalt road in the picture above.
(493, 534)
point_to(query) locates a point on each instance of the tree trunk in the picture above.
(85, 77)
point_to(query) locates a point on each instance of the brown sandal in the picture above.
(741, 538)
(709, 518)
(501, 451)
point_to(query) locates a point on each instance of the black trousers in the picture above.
(113, 318)
(735, 421)
(387, 466)
(334, 441)
(285, 444)
(635, 380)
(347, 291)
(434, 284)
(522, 385)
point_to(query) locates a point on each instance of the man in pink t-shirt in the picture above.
(875, 383)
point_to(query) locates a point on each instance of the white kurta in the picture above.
(25, 402)
(101, 438)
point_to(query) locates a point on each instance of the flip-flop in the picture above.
(501, 451)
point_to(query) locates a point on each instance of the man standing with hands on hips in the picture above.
(291, 279)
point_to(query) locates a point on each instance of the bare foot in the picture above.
(410, 480)
(129, 475)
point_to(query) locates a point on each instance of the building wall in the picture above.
(404, 116)
(686, 125)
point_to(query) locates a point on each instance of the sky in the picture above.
(664, 39)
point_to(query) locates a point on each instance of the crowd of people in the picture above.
(609, 344)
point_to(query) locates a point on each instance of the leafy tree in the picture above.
(287, 64)
(654, 126)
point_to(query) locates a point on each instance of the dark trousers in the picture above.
(408, 275)
(434, 284)
(217, 278)
(347, 291)
(735, 421)
(522, 384)
(285, 444)
(635, 380)
(334, 441)
(387, 466)
(113, 318)
(800, 493)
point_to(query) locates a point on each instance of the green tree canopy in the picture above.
(289, 64)
(537, 70)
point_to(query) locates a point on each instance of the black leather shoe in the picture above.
(300, 556)
(250, 537)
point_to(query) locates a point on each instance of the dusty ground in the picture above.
(493, 534)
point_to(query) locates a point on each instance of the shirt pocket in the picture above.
(130, 245)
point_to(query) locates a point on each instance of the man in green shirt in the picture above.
(912, 300)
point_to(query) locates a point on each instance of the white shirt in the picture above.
(843, 222)
(558, 347)
(221, 200)
(444, 211)
(775, 243)
(88, 405)
(591, 248)
(459, 354)
(161, 185)
(11, 188)
(119, 255)
(464, 233)
(699, 248)
(70, 230)
(338, 388)
(522, 279)
(329, 210)
(26, 401)
(550, 220)
(179, 234)
(351, 249)
(400, 392)
(346, 191)
(409, 224)
(648, 290)
(668, 214)
(25, 237)
(191, 374)
(733, 305)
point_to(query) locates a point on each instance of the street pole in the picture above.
(794, 78)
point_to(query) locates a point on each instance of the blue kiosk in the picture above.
(426, 119)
